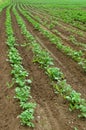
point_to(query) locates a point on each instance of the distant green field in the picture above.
(66, 2)
(61, 3)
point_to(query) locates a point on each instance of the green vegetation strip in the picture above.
(46, 62)
(20, 76)
(75, 55)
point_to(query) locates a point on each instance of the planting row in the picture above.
(20, 76)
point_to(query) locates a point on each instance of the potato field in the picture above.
(42, 65)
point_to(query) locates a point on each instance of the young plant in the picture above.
(26, 117)
(55, 73)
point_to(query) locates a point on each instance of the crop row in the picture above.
(20, 76)
(75, 17)
(75, 55)
(51, 26)
(42, 57)
(40, 10)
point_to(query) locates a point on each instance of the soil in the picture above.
(52, 110)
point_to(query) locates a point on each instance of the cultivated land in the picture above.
(43, 65)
